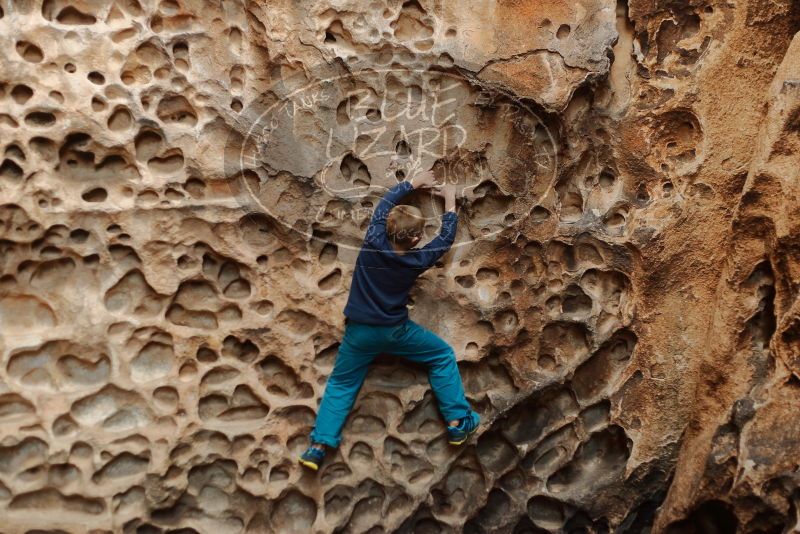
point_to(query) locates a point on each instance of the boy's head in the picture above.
(404, 226)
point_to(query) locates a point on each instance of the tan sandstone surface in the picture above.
(183, 188)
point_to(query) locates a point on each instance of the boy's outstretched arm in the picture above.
(434, 250)
(377, 225)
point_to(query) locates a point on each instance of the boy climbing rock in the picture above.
(377, 318)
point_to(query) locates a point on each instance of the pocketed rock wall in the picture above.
(183, 188)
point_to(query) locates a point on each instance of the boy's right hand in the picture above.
(448, 193)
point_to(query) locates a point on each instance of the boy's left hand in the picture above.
(423, 179)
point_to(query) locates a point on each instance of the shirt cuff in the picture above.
(404, 185)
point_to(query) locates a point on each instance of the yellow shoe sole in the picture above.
(310, 465)
(465, 438)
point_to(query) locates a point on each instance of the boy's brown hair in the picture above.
(404, 226)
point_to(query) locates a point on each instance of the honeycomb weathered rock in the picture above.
(183, 188)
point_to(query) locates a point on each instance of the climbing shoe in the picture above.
(456, 435)
(312, 458)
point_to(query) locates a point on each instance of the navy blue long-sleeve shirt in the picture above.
(382, 278)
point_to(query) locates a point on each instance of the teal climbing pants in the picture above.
(360, 345)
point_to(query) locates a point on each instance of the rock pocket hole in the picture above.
(40, 118)
(15, 151)
(606, 179)
(98, 104)
(98, 194)
(29, 52)
(465, 281)
(70, 15)
(10, 170)
(79, 235)
(96, 78)
(402, 149)
(330, 281)
(21, 94)
(539, 214)
(120, 119)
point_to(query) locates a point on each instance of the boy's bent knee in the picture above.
(445, 357)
